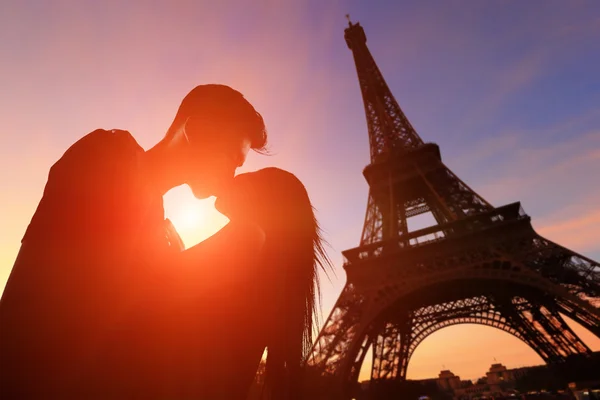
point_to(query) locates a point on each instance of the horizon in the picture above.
(474, 380)
(508, 92)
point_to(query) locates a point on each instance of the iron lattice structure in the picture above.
(477, 264)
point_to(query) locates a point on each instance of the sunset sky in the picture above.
(509, 90)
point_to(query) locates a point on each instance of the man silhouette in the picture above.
(98, 243)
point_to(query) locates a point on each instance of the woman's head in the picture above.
(277, 201)
(273, 198)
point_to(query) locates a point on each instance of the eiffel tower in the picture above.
(477, 263)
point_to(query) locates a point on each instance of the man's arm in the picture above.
(222, 262)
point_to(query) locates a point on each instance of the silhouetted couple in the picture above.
(103, 302)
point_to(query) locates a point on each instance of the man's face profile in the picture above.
(215, 151)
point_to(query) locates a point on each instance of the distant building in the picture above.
(499, 380)
(448, 381)
(499, 375)
(473, 391)
(500, 383)
(459, 389)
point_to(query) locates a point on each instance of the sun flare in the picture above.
(195, 220)
(189, 216)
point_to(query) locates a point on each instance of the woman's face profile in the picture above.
(265, 196)
(240, 200)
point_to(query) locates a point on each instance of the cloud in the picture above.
(578, 232)
(546, 170)
(506, 82)
(590, 27)
(482, 151)
(553, 182)
(551, 42)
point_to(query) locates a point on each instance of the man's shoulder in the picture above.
(95, 177)
(102, 139)
(99, 147)
(115, 135)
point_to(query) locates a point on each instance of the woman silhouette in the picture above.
(185, 343)
(287, 282)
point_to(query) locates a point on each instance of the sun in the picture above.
(190, 216)
(195, 220)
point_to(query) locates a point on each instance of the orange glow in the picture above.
(189, 216)
(195, 220)
(579, 232)
(118, 65)
(468, 350)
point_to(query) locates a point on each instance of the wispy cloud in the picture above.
(554, 182)
(543, 50)
(545, 170)
(581, 231)
(509, 81)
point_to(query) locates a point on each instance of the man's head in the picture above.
(213, 131)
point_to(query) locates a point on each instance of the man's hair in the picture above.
(215, 102)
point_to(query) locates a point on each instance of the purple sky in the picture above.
(509, 90)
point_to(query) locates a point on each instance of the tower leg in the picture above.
(588, 320)
(386, 350)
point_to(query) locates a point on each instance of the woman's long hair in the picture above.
(295, 244)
